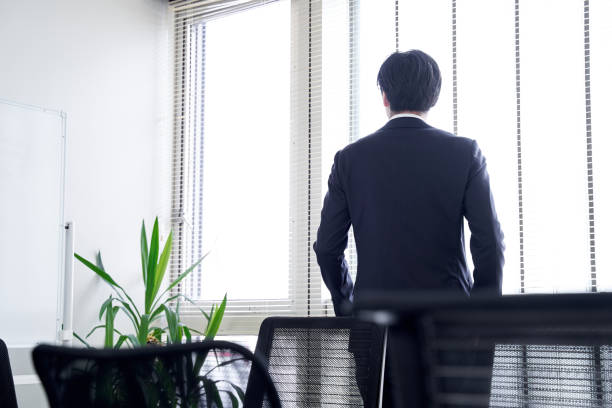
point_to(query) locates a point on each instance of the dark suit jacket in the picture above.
(405, 190)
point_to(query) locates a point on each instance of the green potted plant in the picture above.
(157, 304)
(147, 329)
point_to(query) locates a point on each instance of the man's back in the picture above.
(406, 189)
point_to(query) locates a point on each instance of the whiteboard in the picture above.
(32, 174)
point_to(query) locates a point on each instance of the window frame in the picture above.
(243, 317)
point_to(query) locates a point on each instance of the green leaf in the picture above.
(144, 329)
(183, 275)
(157, 310)
(152, 267)
(170, 299)
(163, 264)
(130, 314)
(187, 331)
(238, 391)
(135, 310)
(107, 278)
(100, 272)
(175, 329)
(215, 321)
(206, 385)
(120, 341)
(233, 398)
(109, 326)
(144, 252)
(171, 320)
(126, 308)
(199, 362)
(213, 307)
(103, 307)
(157, 333)
(224, 363)
(134, 340)
(98, 327)
(81, 340)
(93, 329)
(99, 261)
(196, 331)
(212, 392)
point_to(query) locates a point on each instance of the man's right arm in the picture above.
(487, 242)
(332, 238)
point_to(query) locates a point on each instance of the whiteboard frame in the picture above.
(62, 264)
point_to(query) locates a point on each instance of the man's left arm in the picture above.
(487, 241)
(332, 238)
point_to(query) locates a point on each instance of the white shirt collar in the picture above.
(406, 115)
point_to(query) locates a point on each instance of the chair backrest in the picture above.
(511, 351)
(327, 361)
(8, 398)
(204, 374)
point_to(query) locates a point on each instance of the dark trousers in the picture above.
(410, 381)
(367, 389)
(400, 369)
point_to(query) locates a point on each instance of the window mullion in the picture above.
(305, 202)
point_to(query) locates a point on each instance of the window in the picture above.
(267, 92)
(232, 158)
(525, 94)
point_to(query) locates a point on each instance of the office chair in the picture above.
(327, 361)
(540, 351)
(199, 375)
(8, 398)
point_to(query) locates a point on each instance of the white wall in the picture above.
(104, 62)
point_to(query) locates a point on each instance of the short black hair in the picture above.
(411, 80)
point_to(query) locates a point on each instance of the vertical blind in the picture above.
(527, 79)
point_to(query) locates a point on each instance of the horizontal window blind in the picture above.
(196, 11)
(231, 159)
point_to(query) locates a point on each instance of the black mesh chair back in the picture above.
(544, 351)
(8, 398)
(327, 361)
(199, 375)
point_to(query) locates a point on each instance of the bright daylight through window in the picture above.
(233, 197)
(268, 92)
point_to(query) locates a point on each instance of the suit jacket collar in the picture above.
(405, 123)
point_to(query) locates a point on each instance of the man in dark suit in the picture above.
(406, 189)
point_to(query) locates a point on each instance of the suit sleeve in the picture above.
(332, 238)
(487, 241)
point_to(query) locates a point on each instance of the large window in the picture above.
(267, 92)
(523, 84)
(232, 157)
